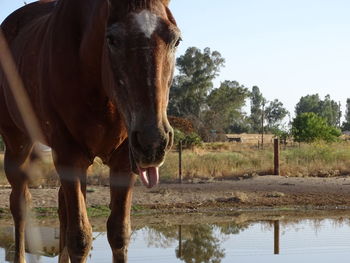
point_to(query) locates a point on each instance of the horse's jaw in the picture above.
(149, 176)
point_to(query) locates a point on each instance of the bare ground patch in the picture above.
(259, 192)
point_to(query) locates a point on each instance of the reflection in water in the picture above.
(207, 243)
(47, 246)
(197, 243)
(202, 246)
(276, 236)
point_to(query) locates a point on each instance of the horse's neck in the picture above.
(80, 17)
(93, 34)
(77, 10)
(84, 22)
(78, 28)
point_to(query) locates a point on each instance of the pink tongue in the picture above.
(149, 176)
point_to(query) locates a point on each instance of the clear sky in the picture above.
(289, 48)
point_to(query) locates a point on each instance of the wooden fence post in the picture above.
(180, 162)
(276, 156)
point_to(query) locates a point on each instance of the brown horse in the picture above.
(97, 73)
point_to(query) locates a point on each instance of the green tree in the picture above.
(225, 105)
(346, 123)
(327, 108)
(257, 102)
(309, 127)
(190, 88)
(275, 113)
(330, 110)
(308, 103)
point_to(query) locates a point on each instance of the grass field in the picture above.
(225, 160)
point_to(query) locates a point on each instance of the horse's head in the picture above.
(141, 38)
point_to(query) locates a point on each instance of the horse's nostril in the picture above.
(150, 146)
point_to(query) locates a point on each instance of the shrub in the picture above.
(309, 127)
(192, 139)
(178, 136)
(188, 140)
(281, 134)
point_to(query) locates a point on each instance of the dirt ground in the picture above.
(260, 192)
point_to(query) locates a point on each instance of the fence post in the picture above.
(276, 156)
(180, 162)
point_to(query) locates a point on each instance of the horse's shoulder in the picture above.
(24, 16)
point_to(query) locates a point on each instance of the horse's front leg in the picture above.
(76, 231)
(118, 225)
(62, 212)
(16, 157)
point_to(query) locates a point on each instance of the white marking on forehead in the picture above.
(147, 22)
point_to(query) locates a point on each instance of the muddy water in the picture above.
(237, 238)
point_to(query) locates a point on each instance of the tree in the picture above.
(330, 110)
(309, 127)
(275, 113)
(241, 125)
(346, 123)
(308, 103)
(327, 108)
(257, 101)
(190, 88)
(225, 105)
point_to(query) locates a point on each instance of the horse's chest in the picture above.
(101, 131)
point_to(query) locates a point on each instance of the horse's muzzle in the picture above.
(149, 147)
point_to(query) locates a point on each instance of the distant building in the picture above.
(249, 138)
(233, 138)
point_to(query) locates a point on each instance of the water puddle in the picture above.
(237, 239)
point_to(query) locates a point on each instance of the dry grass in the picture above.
(227, 160)
(213, 164)
(43, 173)
(320, 159)
(223, 160)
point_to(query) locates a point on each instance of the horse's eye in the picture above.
(178, 42)
(111, 40)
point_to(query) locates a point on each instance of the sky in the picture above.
(288, 48)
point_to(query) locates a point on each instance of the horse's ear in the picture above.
(165, 2)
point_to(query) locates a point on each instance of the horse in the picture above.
(97, 74)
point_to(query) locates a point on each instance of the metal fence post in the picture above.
(180, 161)
(276, 156)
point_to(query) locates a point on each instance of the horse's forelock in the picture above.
(120, 8)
